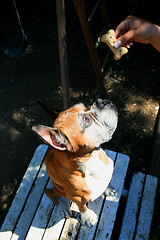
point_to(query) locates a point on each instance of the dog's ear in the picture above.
(52, 137)
(49, 110)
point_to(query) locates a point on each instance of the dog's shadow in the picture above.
(52, 225)
(59, 226)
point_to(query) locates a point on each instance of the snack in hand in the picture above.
(109, 39)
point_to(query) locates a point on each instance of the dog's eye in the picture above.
(87, 120)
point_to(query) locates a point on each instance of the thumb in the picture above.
(125, 38)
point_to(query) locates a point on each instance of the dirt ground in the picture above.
(133, 84)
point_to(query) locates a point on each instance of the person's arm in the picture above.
(136, 29)
(155, 41)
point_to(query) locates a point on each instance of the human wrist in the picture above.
(155, 40)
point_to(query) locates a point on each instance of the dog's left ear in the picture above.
(52, 137)
(49, 110)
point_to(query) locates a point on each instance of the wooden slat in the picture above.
(55, 226)
(41, 218)
(31, 205)
(139, 209)
(130, 217)
(108, 216)
(147, 206)
(22, 193)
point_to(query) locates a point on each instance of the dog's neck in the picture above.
(82, 155)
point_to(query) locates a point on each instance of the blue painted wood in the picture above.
(24, 191)
(139, 210)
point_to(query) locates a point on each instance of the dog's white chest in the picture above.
(97, 174)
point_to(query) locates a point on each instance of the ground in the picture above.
(133, 84)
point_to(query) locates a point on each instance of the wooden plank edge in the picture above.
(41, 217)
(147, 208)
(22, 193)
(111, 204)
(31, 205)
(130, 215)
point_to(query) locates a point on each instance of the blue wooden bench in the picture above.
(32, 216)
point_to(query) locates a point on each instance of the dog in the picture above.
(78, 167)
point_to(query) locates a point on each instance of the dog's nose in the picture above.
(102, 103)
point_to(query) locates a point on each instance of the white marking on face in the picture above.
(97, 174)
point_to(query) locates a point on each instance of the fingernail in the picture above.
(117, 44)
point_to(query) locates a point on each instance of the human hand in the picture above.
(135, 29)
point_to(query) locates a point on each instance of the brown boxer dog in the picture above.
(80, 170)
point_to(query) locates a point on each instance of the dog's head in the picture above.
(81, 127)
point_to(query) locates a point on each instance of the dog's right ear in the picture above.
(52, 137)
(49, 110)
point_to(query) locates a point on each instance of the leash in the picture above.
(8, 48)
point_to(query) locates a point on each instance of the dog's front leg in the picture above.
(87, 216)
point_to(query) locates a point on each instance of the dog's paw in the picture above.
(88, 218)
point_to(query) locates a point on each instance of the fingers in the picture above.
(134, 29)
(125, 39)
(124, 33)
(121, 28)
(124, 26)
